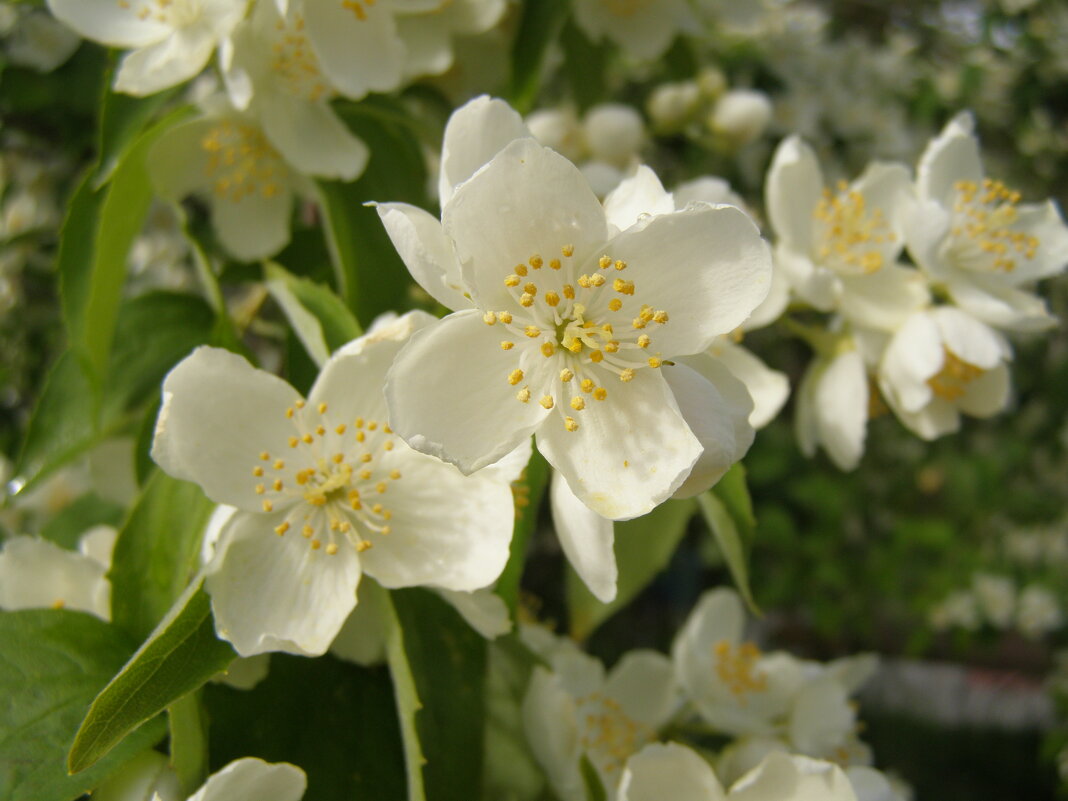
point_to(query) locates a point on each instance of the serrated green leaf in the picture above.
(319, 318)
(643, 548)
(52, 663)
(180, 655)
(157, 553)
(539, 26)
(528, 494)
(726, 532)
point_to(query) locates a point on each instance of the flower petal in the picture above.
(821, 718)
(254, 227)
(484, 611)
(587, 540)
(793, 778)
(359, 54)
(107, 22)
(475, 133)
(767, 388)
(913, 355)
(986, 395)
(311, 137)
(425, 251)
(1000, 305)
(252, 779)
(950, 157)
(707, 267)
(885, 298)
(167, 63)
(643, 682)
(793, 190)
(551, 728)
(448, 394)
(219, 415)
(629, 453)
(362, 638)
(668, 770)
(177, 162)
(841, 403)
(272, 593)
(641, 195)
(38, 574)
(970, 339)
(716, 406)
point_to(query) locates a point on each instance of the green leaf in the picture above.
(408, 702)
(180, 655)
(188, 729)
(122, 117)
(725, 529)
(733, 491)
(584, 66)
(592, 780)
(643, 547)
(336, 720)
(320, 319)
(52, 663)
(67, 527)
(447, 659)
(539, 26)
(157, 553)
(528, 493)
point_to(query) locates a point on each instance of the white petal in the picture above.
(428, 44)
(587, 540)
(926, 225)
(1045, 222)
(428, 255)
(718, 616)
(643, 682)
(449, 395)
(272, 593)
(484, 611)
(630, 452)
(511, 467)
(1000, 305)
(254, 227)
(937, 418)
(448, 529)
(986, 395)
(244, 673)
(887, 188)
(351, 381)
(357, 55)
(549, 722)
(252, 779)
(768, 388)
(818, 286)
(38, 574)
(362, 638)
(870, 785)
(97, 543)
(950, 157)
(885, 298)
(969, 339)
(706, 267)
(219, 414)
(792, 778)
(528, 200)
(821, 718)
(311, 137)
(806, 425)
(636, 197)
(772, 307)
(643, 31)
(476, 132)
(841, 401)
(108, 23)
(668, 771)
(914, 355)
(716, 406)
(172, 61)
(793, 190)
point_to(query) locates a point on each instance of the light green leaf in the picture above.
(122, 117)
(539, 26)
(52, 663)
(157, 553)
(643, 547)
(407, 699)
(180, 655)
(319, 318)
(592, 780)
(188, 729)
(725, 529)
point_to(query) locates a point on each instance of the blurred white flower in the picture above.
(614, 133)
(1038, 611)
(643, 29)
(833, 406)
(958, 609)
(996, 597)
(741, 115)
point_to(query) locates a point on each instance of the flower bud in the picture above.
(614, 133)
(741, 115)
(672, 105)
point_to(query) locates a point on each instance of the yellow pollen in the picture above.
(360, 436)
(358, 422)
(615, 304)
(536, 262)
(389, 445)
(521, 269)
(394, 474)
(600, 393)
(281, 529)
(523, 395)
(338, 458)
(505, 345)
(526, 300)
(546, 401)
(257, 471)
(307, 531)
(504, 317)
(569, 292)
(322, 408)
(489, 318)
(277, 485)
(627, 375)
(320, 430)
(552, 298)
(512, 280)
(279, 464)
(381, 487)
(532, 331)
(365, 475)
(570, 424)
(265, 456)
(566, 375)
(584, 281)
(362, 545)
(660, 317)
(366, 458)
(268, 506)
(596, 356)
(644, 340)
(554, 264)
(577, 403)
(372, 425)
(611, 347)
(568, 251)
(620, 264)
(654, 361)
(289, 412)
(299, 404)
(316, 545)
(260, 489)
(530, 288)
(587, 385)
(308, 438)
(547, 349)
(737, 668)
(597, 280)
(331, 549)
(604, 262)
(951, 382)
(623, 287)
(340, 429)
(515, 377)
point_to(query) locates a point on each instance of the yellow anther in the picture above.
(644, 340)
(627, 375)
(566, 375)
(584, 281)
(316, 545)
(394, 474)
(331, 549)
(307, 531)
(322, 408)
(365, 475)
(536, 262)
(265, 456)
(505, 317)
(554, 264)
(620, 264)
(604, 262)
(547, 349)
(611, 346)
(299, 404)
(316, 499)
(279, 464)
(572, 345)
(362, 545)
(654, 361)
(277, 485)
(515, 377)
(320, 430)
(260, 489)
(360, 436)
(340, 429)
(600, 393)
(623, 287)
(523, 395)
(257, 471)
(552, 298)
(662, 316)
(489, 318)
(569, 292)
(638, 323)
(358, 422)
(532, 331)
(512, 280)
(570, 424)
(268, 506)
(381, 487)
(597, 280)
(531, 288)
(389, 445)
(526, 300)
(568, 251)
(505, 345)
(615, 304)
(578, 403)
(587, 385)
(521, 269)
(308, 439)
(281, 529)
(387, 430)
(289, 412)
(546, 401)
(366, 458)
(338, 458)
(596, 356)
(372, 425)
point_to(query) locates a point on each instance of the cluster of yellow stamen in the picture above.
(984, 215)
(851, 238)
(294, 61)
(951, 382)
(608, 735)
(167, 12)
(736, 667)
(577, 325)
(241, 162)
(357, 7)
(333, 480)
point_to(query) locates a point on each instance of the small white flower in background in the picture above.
(38, 574)
(974, 237)
(428, 34)
(1038, 611)
(576, 709)
(671, 106)
(833, 406)
(940, 363)
(614, 133)
(672, 771)
(839, 248)
(872, 785)
(171, 40)
(38, 41)
(148, 778)
(958, 609)
(643, 29)
(272, 71)
(326, 491)
(560, 129)
(226, 158)
(741, 115)
(996, 597)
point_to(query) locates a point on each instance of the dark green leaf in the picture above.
(643, 547)
(52, 663)
(539, 26)
(592, 780)
(528, 492)
(179, 657)
(408, 702)
(67, 527)
(733, 490)
(157, 553)
(584, 66)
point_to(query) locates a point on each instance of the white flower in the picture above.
(1038, 611)
(972, 235)
(559, 128)
(833, 407)
(672, 771)
(39, 41)
(871, 785)
(614, 133)
(741, 115)
(672, 105)
(577, 710)
(272, 71)
(37, 574)
(251, 779)
(941, 362)
(956, 609)
(428, 35)
(226, 157)
(996, 596)
(171, 40)
(146, 777)
(326, 492)
(643, 29)
(571, 327)
(838, 247)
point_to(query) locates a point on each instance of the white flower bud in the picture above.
(614, 132)
(742, 115)
(671, 105)
(559, 129)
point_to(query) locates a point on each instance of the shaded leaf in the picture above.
(539, 26)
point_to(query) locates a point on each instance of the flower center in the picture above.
(983, 233)
(573, 338)
(358, 7)
(241, 162)
(333, 486)
(607, 734)
(736, 667)
(849, 237)
(294, 61)
(951, 382)
(174, 13)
